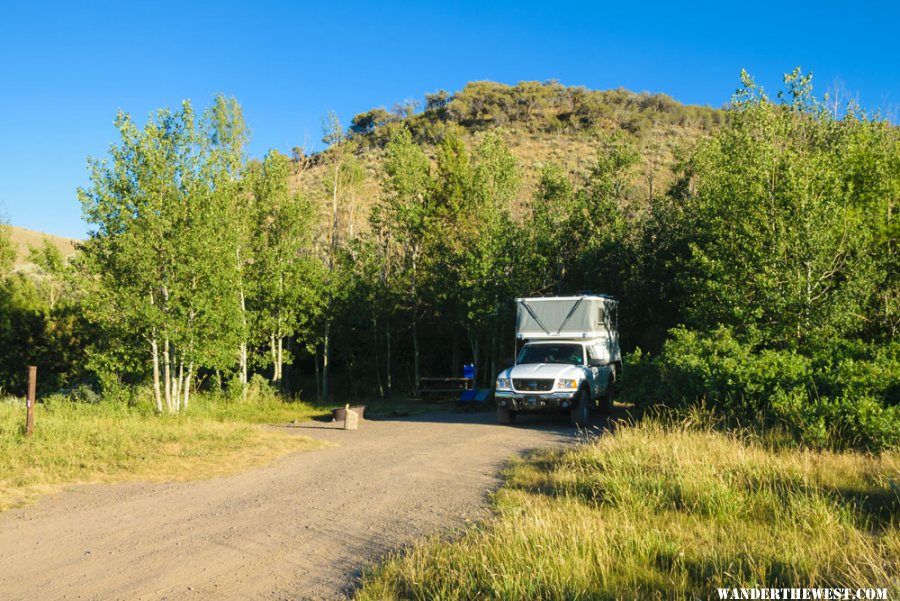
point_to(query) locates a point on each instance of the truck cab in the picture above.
(569, 359)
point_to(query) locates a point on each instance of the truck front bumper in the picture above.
(547, 401)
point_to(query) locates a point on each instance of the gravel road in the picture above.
(301, 528)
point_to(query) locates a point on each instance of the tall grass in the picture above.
(113, 441)
(661, 510)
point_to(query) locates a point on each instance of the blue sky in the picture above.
(66, 68)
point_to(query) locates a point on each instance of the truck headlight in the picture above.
(504, 384)
(567, 384)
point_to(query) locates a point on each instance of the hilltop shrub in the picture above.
(835, 397)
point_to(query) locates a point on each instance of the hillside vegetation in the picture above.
(540, 123)
(24, 240)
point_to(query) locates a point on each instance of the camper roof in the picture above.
(558, 317)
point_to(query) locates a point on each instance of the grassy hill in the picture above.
(541, 123)
(22, 238)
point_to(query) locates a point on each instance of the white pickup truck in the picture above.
(570, 359)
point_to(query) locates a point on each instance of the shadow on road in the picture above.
(556, 423)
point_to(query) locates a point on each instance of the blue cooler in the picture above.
(469, 371)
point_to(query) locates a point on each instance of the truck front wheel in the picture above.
(581, 412)
(505, 416)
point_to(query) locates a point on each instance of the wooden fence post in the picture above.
(351, 418)
(30, 400)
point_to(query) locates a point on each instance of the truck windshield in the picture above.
(572, 354)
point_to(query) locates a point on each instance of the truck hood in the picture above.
(542, 370)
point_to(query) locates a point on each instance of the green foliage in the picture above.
(553, 107)
(284, 276)
(40, 321)
(783, 241)
(861, 369)
(54, 277)
(196, 255)
(781, 266)
(155, 261)
(260, 391)
(437, 101)
(822, 400)
(234, 389)
(84, 394)
(365, 123)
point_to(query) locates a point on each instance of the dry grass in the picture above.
(22, 238)
(662, 512)
(78, 443)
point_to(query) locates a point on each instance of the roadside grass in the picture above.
(660, 510)
(76, 443)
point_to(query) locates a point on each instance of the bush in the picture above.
(859, 369)
(640, 380)
(259, 390)
(85, 394)
(841, 396)
(719, 368)
(234, 390)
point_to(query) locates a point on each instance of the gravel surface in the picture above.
(301, 528)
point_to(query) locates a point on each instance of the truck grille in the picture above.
(532, 384)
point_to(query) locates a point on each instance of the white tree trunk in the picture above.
(326, 348)
(415, 324)
(242, 354)
(243, 371)
(280, 362)
(176, 385)
(276, 348)
(187, 385)
(167, 375)
(274, 355)
(157, 394)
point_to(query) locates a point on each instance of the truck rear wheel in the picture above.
(505, 416)
(606, 402)
(581, 412)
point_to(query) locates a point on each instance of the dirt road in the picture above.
(302, 528)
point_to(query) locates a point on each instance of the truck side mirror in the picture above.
(595, 362)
